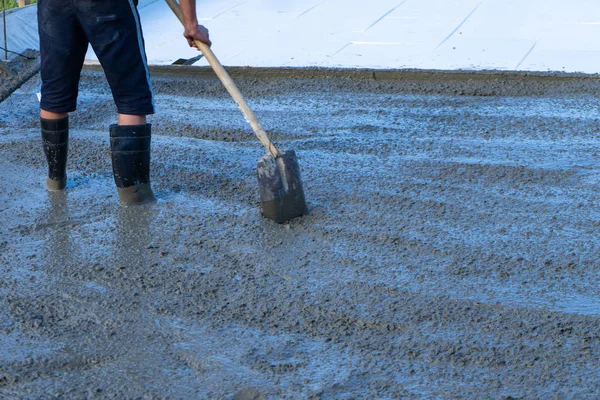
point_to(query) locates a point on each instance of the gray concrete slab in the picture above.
(450, 251)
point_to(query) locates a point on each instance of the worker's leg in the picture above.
(63, 45)
(127, 119)
(115, 33)
(52, 115)
(55, 136)
(130, 149)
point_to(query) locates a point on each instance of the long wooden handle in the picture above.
(230, 86)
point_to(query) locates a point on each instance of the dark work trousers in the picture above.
(113, 29)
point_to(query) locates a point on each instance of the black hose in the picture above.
(4, 28)
(19, 54)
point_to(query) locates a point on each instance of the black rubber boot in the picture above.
(55, 135)
(130, 148)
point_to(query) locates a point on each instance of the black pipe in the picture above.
(4, 23)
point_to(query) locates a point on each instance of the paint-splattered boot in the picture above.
(130, 148)
(55, 135)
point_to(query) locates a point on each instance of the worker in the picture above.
(113, 29)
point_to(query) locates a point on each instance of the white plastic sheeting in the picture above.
(534, 35)
(21, 31)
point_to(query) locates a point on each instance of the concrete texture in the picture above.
(451, 249)
(17, 71)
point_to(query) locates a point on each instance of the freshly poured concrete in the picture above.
(17, 71)
(451, 249)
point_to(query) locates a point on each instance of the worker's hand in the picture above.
(196, 32)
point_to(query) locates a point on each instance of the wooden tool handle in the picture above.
(230, 86)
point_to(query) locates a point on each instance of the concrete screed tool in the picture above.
(281, 192)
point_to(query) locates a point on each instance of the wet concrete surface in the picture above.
(451, 249)
(17, 71)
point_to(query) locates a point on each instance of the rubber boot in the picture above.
(55, 135)
(130, 149)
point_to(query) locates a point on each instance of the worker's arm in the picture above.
(192, 31)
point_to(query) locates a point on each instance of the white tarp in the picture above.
(538, 35)
(21, 29)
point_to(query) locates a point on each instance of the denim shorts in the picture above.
(113, 29)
